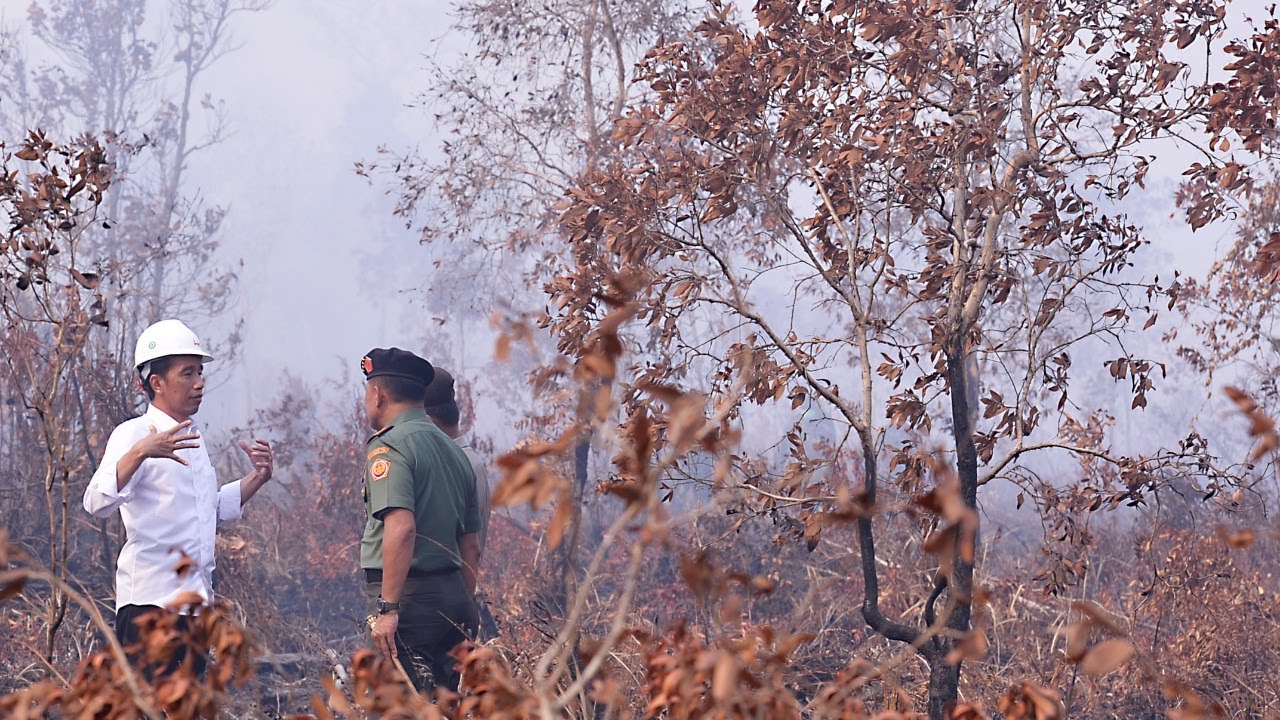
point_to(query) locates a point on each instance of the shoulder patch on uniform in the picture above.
(380, 468)
(378, 451)
(380, 433)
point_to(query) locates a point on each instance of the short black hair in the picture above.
(401, 390)
(445, 414)
(160, 366)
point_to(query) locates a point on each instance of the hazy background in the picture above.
(314, 88)
(325, 269)
(310, 89)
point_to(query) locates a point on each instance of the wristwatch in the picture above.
(385, 607)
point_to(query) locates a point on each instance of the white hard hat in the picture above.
(167, 337)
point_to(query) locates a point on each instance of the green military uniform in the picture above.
(412, 464)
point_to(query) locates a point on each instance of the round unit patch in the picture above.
(379, 469)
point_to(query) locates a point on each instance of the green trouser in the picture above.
(436, 614)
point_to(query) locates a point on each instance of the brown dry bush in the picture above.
(293, 564)
(721, 608)
(734, 618)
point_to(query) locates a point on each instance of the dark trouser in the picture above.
(436, 614)
(488, 623)
(130, 635)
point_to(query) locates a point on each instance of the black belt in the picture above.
(374, 575)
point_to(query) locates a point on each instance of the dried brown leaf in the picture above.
(1107, 656)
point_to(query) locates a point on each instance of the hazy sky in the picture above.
(317, 86)
(311, 88)
(314, 87)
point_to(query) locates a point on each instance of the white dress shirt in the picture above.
(482, 489)
(168, 509)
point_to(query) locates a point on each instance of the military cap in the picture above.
(394, 362)
(440, 391)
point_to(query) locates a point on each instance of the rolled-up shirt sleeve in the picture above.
(102, 496)
(230, 506)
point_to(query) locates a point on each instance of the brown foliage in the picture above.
(931, 179)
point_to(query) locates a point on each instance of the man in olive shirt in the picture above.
(420, 546)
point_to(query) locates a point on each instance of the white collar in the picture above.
(161, 421)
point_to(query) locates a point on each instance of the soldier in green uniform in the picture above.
(420, 545)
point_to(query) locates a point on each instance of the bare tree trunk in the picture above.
(944, 685)
(944, 678)
(568, 560)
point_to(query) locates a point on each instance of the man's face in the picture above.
(181, 388)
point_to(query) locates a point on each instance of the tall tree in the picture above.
(109, 70)
(50, 195)
(129, 71)
(913, 208)
(526, 109)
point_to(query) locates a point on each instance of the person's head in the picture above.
(446, 416)
(175, 384)
(396, 381)
(170, 364)
(441, 404)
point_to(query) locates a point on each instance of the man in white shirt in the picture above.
(156, 472)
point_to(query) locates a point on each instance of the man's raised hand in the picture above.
(167, 444)
(260, 455)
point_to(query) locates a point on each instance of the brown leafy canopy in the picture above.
(1243, 108)
(50, 304)
(889, 189)
(1247, 103)
(49, 194)
(939, 180)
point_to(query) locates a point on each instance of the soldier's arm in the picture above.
(391, 501)
(469, 546)
(398, 531)
(469, 541)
